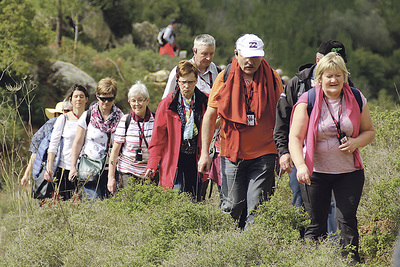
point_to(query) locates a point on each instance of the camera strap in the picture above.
(141, 135)
(336, 122)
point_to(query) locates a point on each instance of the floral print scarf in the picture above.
(109, 125)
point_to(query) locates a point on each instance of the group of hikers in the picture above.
(235, 126)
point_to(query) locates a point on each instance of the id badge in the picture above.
(250, 119)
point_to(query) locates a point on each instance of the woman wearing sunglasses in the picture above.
(176, 135)
(64, 131)
(132, 139)
(94, 135)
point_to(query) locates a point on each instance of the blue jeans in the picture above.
(93, 191)
(246, 184)
(297, 201)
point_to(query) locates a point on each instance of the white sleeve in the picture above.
(82, 120)
(168, 35)
(56, 135)
(171, 84)
(119, 134)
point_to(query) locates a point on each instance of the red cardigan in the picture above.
(166, 140)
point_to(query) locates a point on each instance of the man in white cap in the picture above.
(245, 99)
(203, 54)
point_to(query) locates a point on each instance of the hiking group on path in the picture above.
(235, 126)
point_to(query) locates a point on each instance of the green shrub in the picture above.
(277, 215)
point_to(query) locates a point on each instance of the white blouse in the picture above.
(95, 140)
(67, 130)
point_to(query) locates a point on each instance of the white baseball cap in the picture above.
(250, 45)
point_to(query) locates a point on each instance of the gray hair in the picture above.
(203, 40)
(138, 89)
(66, 103)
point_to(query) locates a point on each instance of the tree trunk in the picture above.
(59, 23)
(76, 23)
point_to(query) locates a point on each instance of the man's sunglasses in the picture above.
(104, 99)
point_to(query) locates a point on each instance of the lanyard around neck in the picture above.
(248, 96)
(211, 82)
(336, 122)
(75, 114)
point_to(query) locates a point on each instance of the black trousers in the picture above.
(186, 179)
(347, 189)
(66, 188)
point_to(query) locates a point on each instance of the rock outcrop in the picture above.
(63, 75)
(145, 35)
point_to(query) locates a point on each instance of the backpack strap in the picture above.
(311, 99)
(226, 73)
(127, 122)
(88, 114)
(357, 95)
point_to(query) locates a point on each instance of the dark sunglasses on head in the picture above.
(104, 99)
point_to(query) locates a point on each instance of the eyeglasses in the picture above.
(139, 101)
(186, 82)
(66, 110)
(104, 98)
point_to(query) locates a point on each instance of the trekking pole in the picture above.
(279, 177)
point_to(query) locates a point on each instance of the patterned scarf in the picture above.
(190, 127)
(109, 125)
(136, 118)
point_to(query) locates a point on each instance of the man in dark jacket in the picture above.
(300, 83)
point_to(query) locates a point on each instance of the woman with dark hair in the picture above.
(175, 142)
(95, 134)
(324, 145)
(63, 135)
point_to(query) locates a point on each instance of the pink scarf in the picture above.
(353, 112)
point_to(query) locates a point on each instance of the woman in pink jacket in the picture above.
(176, 140)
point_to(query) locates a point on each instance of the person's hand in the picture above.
(350, 146)
(149, 174)
(303, 175)
(48, 175)
(286, 163)
(73, 173)
(111, 185)
(204, 163)
(24, 179)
